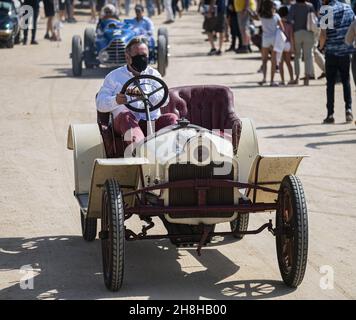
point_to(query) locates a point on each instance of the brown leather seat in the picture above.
(114, 145)
(208, 106)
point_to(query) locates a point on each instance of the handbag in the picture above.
(312, 22)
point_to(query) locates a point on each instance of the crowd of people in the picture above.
(58, 12)
(288, 30)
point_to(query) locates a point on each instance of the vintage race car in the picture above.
(106, 46)
(203, 171)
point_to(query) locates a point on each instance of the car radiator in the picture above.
(116, 51)
(181, 197)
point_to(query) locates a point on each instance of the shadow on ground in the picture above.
(70, 268)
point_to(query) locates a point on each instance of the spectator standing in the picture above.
(92, 5)
(215, 22)
(289, 46)
(234, 26)
(270, 21)
(169, 11)
(175, 9)
(318, 56)
(337, 56)
(150, 8)
(303, 39)
(243, 8)
(35, 4)
(49, 13)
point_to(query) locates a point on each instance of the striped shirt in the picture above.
(343, 16)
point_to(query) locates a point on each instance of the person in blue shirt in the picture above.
(142, 22)
(337, 56)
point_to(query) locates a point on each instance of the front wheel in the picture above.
(112, 235)
(292, 231)
(89, 46)
(77, 53)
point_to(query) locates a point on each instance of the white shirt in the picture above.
(113, 83)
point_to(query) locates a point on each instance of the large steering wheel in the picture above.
(136, 85)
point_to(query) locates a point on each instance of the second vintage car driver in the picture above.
(129, 124)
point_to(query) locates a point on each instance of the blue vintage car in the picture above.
(105, 46)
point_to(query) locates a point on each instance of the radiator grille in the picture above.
(116, 51)
(189, 196)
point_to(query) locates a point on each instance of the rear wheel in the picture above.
(292, 231)
(112, 235)
(88, 227)
(89, 46)
(239, 224)
(161, 55)
(164, 32)
(77, 53)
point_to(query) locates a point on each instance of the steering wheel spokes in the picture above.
(142, 91)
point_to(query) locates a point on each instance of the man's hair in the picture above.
(139, 7)
(136, 41)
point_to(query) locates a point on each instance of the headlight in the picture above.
(103, 56)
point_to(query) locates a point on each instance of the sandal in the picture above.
(261, 83)
(274, 84)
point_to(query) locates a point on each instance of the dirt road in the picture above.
(39, 217)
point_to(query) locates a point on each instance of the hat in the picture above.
(139, 7)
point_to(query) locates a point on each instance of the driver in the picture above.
(133, 125)
(108, 12)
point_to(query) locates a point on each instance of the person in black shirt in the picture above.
(35, 4)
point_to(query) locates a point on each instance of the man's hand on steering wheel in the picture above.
(132, 92)
(137, 92)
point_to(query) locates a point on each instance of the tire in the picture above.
(17, 38)
(88, 227)
(292, 231)
(113, 241)
(164, 32)
(240, 224)
(11, 42)
(77, 53)
(161, 55)
(89, 46)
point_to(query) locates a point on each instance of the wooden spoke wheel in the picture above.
(292, 231)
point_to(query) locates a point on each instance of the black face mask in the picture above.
(139, 62)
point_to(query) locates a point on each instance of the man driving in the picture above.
(108, 12)
(133, 125)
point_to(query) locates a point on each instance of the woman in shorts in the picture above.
(270, 21)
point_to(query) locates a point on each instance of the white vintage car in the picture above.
(203, 171)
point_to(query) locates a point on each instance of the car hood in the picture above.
(177, 142)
